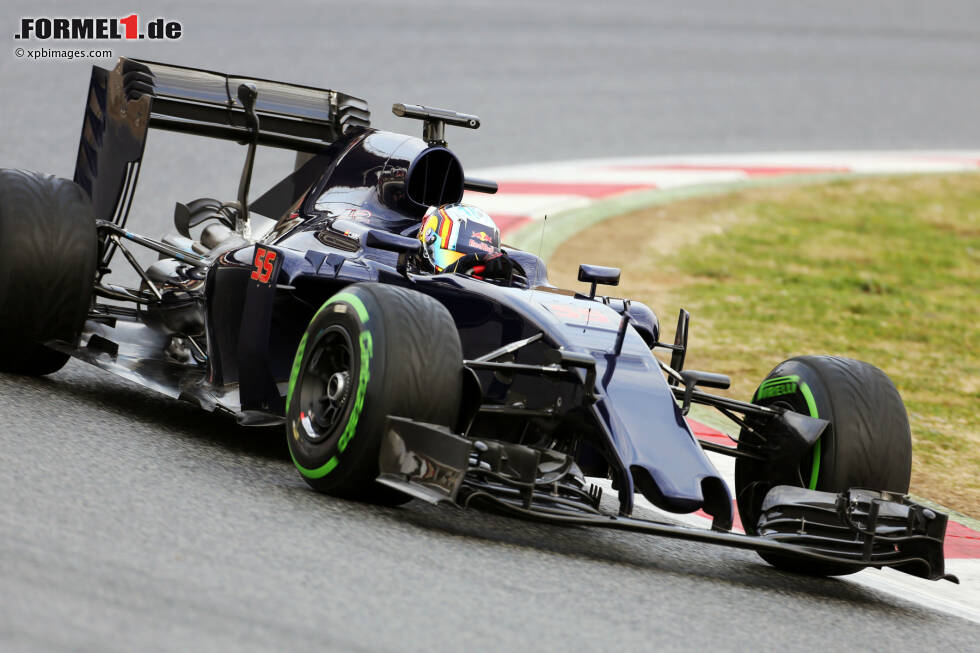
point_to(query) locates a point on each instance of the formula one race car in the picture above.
(409, 354)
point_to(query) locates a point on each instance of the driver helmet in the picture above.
(451, 231)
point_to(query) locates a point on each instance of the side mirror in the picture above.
(707, 379)
(392, 242)
(694, 378)
(596, 274)
(680, 342)
(402, 245)
(480, 185)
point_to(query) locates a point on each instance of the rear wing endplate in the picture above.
(124, 102)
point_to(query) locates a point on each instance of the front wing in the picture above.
(856, 528)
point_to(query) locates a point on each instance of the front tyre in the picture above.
(371, 351)
(867, 445)
(48, 255)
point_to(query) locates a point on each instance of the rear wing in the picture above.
(123, 103)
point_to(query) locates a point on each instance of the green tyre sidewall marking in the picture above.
(817, 449)
(787, 385)
(357, 321)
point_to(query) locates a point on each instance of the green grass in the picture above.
(886, 270)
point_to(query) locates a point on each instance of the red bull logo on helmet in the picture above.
(481, 240)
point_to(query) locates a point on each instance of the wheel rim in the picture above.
(324, 392)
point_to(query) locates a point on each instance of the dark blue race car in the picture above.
(408, 353)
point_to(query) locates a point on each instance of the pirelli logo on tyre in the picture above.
(778, 386)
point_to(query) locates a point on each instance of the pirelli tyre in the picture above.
(371, 351)
(867, 445)
(48, 255)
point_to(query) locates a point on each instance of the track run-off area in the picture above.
(539, 206)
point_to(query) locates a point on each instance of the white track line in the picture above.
(549, 188)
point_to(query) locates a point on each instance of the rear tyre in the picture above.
(868, 443)
(371, 351)
(48, 255)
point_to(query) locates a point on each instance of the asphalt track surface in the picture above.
(128, 520)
